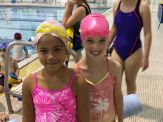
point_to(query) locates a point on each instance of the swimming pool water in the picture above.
(26, 19)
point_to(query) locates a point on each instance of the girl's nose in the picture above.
(95, 46)
(51, 55)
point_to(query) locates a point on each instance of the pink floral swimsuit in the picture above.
(54, 105)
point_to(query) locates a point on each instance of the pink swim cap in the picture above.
(94, 25)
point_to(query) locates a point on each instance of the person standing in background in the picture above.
(20, 52)
(129, 18)
(72, 18)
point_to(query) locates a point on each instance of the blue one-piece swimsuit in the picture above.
(128, 26)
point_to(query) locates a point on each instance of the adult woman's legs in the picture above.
(132, 66)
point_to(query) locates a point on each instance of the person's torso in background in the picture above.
(18, 52)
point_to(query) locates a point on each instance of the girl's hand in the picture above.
(145, 63)
(69, 3)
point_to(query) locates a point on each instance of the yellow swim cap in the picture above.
(53, 28)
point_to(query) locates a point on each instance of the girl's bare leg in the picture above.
(116, 57)
(132, 66)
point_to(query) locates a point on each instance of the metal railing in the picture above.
(7, 59)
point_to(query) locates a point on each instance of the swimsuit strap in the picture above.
(137, 5)
(109, 69)
(72, 79)
(118, 6)
(69, 82)
(138, 12)
(35, 79)
(141, 22)
(86, 9)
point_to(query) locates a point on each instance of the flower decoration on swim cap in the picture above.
(94, 25)
(53, 28)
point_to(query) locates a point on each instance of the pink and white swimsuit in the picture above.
(54, 105)
(101, 94)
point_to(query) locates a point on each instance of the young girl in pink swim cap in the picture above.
(52, 94)
(102, 76)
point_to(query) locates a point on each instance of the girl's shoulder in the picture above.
(81, 9)
(114, 66)
(71, 74)
(144, 6)
(28, 82)
(144, 2)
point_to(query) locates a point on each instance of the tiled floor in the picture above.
(149, 83)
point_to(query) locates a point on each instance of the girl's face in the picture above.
(95, 46)
(51, 52)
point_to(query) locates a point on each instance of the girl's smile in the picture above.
(95, 52)
(51, 51)
(95, 46)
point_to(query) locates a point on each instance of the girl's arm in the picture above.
(68, 11)
(118, 97)
(82, 100)
(146, 17)
(69, 18)
(113, 29)
(28, 106)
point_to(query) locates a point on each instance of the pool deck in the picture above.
(149, 82)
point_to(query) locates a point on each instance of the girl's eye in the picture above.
(102, 40)
(90, 41)
(59, 49)
(42, 51)
(55, 50)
